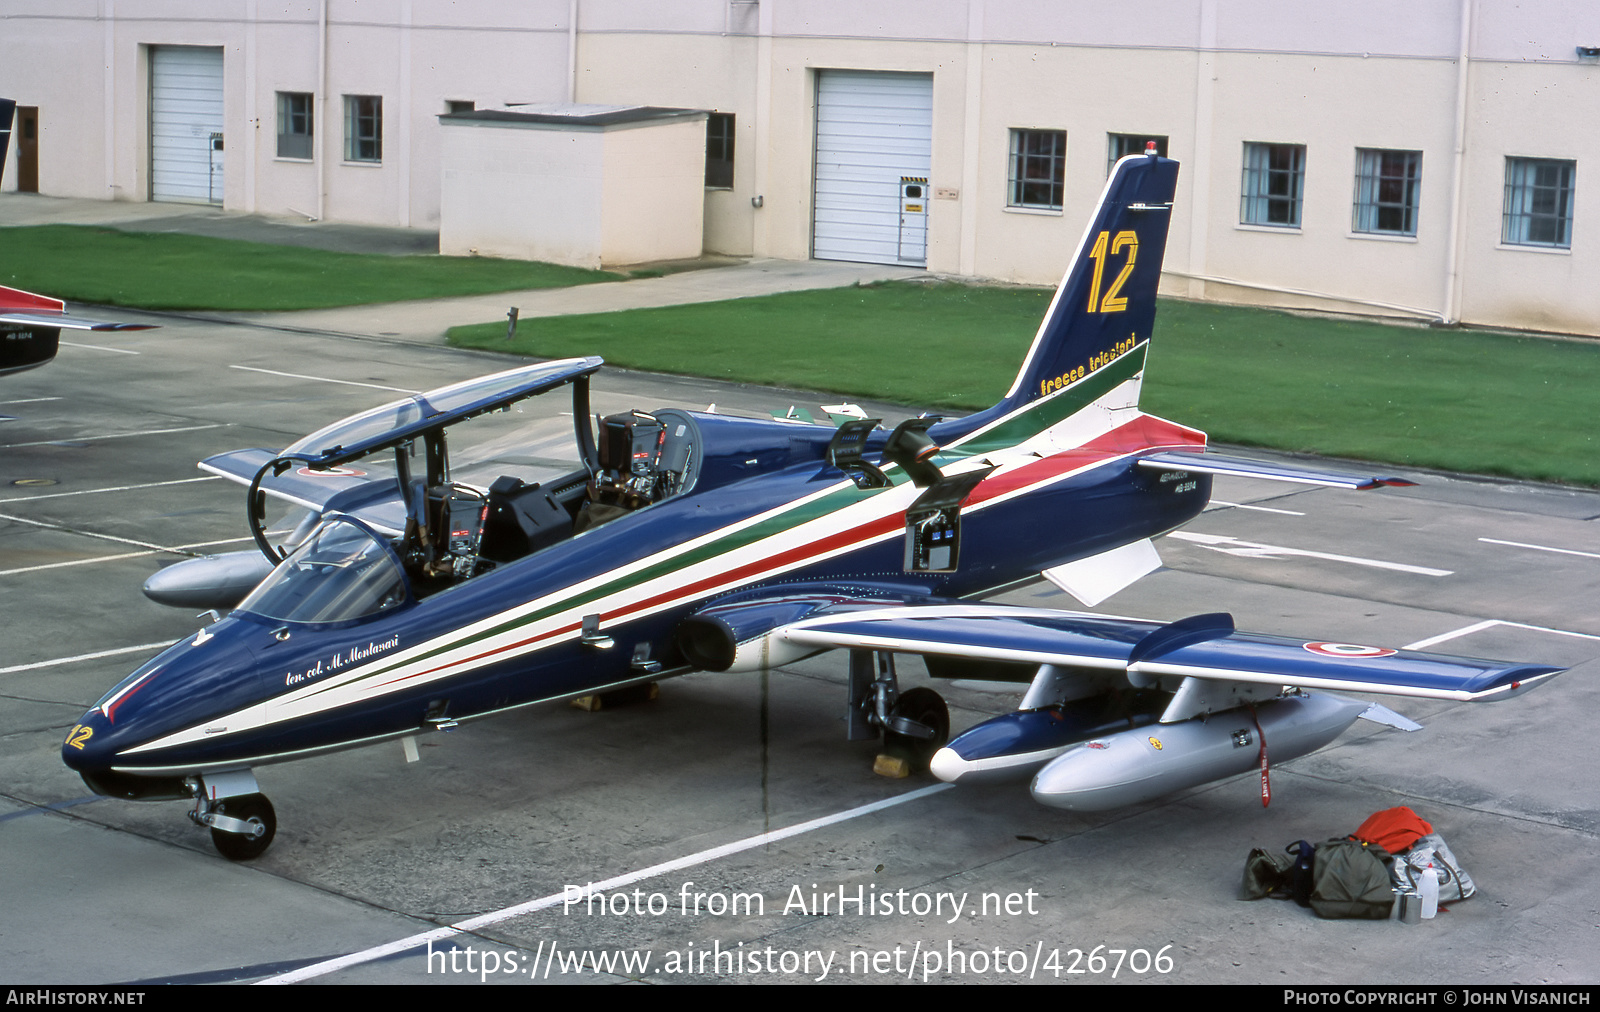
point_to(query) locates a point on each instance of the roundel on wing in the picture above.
(1349, 650)
(332, 472)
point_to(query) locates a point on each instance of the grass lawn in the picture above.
(1458, 400)
(857, 341)
(162, 270)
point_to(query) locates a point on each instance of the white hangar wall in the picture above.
(1467, 93)
(85, 64)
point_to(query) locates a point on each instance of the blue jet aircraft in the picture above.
(656, 544)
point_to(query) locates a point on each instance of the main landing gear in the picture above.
(240, 817)
(914, 724)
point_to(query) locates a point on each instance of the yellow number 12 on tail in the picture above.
(1112, 302)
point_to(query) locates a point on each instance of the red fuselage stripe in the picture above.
(1142, 433)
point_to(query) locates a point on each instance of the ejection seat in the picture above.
(629, 450)
(521, 520)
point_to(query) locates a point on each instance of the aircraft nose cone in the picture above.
(133, 740)
(90, 746)
(79, 750)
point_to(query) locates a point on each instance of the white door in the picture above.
(186, 124)
(874, 129)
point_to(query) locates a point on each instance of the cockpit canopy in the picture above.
(446, 514)
(341, 572)
(398, 421)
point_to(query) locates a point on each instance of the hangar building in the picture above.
(1420, 160)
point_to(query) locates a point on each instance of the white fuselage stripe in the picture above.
(465, 648)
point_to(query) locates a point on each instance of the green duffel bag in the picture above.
(1351, 879)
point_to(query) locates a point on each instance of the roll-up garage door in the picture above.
(874, 149)
(186, 124)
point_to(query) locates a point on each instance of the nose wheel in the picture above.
(258, 824)
(240, 818)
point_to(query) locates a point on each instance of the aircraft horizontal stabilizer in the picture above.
(347, 490)
(1206, 462)
(1204, 647)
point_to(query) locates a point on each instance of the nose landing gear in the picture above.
(240, 817)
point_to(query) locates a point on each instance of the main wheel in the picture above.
(254, 809)
(927, 708)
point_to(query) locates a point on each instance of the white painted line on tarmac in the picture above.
(114, 488)
(99, 347)
(1540, 548)
(111, 435)
(121, 555)
(30, 400)
(90, 534)
(545, 902)
(76, 562)
(1259, 509)
(141, 648)
(86, 534)
(1251, 549)
(1467, 630)
(324, 379)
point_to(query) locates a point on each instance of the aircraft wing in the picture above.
(1202, 647)
(65, 322)
(25, 309)
(1206, 462)
(348, 490)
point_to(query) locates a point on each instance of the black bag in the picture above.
(1280, 876)
(1351, 879)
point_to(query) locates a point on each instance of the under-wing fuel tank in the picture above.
(1138, 765)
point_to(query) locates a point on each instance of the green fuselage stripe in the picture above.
(1042, 414)
(1026, 423)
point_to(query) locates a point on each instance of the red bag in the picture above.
(1393, 829)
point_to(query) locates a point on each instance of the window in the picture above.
(1386, 191)
(1274, 183)
(719, 150)
(294, 124)
(1538, 209)
(454, 107)
(363, 128)
(1123, 145)
(1038, 167)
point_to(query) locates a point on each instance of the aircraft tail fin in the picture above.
(1105, 306)
(1100, 319)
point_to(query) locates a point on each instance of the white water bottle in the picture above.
(1429, 887)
